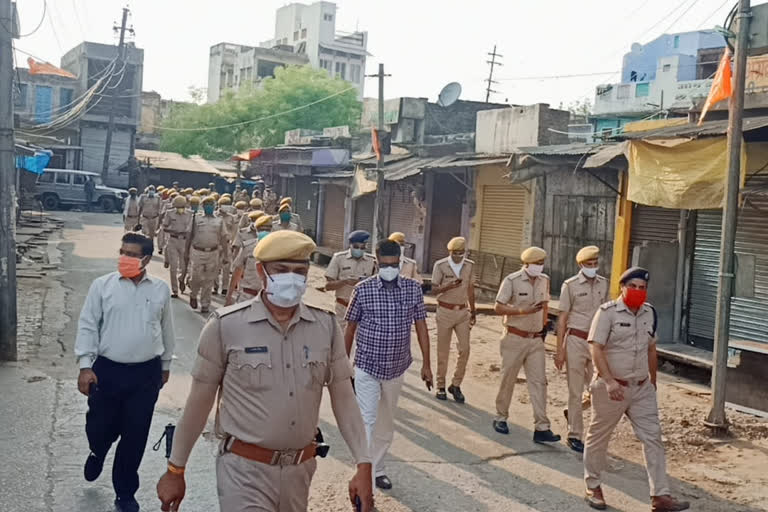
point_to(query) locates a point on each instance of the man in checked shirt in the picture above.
(381, 312)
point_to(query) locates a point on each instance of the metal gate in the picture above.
(364, 213)
(749, 304)
(447, 200)
(305, 204)
(402, 214)
(333, 218)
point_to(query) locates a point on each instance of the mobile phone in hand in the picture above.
(358, 504)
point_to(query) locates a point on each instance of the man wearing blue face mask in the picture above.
(347, 268)
(379, 318)
(284, 221)
(206, 237)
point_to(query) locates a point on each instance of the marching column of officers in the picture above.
(607, 348)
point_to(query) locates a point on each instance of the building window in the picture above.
(623, 92)
(341, 69)
(20, 100)
(303, 33)
(328, 17)
(677, 42)
(296, 36)
(46, 178)
(354, 73)
(642, 90)
(78, 179)
(666, 67)
(325, 64)
(65, 98)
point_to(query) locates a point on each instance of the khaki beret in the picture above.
(194, 200)
(240, 205)
(286, 200)
(204, 192)
(533, 254)
(264, 220)
(173, 194)
(255, 215)
(284, 246)
(397, 237)
(216, 196)
(188, 190)
(209, 200)
(225, 200)
(179, 202)
(587, 253)
(196, 194)
(132, 189)
(285, 207)
(458, 243)
(256, 203)
(160, 188)
(226, 194)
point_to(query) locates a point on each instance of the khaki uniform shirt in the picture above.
(409, 269)
(246, 260)
(244, 220)
(150, 206)
(296, 219)
(175, 223)
(209, 232)
(131, 207)
(229, 220)
(344, 266)
(271, 382)
(443, 274)
(580, 297)
(247, 233)
(625, 338)
(519, 290)
(292, 226)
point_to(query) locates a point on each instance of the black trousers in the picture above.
(121, 406)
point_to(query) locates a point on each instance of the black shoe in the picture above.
(500, 426)
(224, 292)
(441, 395)
(174, 295)
(575, 444)
(545, 436)
(93, 467)
(457, 394)
(565, 413)
(126, 505)
(383, 482)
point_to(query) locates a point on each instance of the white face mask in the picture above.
(534, 270)
(286, 290)
(389, 273)
(589, 272)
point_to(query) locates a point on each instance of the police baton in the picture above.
(168, 435)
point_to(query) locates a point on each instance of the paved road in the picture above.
(445, 457)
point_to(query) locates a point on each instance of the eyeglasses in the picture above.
(389, 265)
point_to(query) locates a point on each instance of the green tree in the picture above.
(291, 88)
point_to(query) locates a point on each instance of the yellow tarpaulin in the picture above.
(689, 175)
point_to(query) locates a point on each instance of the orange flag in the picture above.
(721, 85)
(375, 142)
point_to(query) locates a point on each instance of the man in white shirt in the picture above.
(124, 346)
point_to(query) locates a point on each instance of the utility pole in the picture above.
(7, 191)
(490, 79)
(716, 419)
(378, 209)
(113, 104)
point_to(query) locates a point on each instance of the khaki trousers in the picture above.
(149, 226)
(205, 267)
(528, 353)
(448, 322)
(222, 279)
(249, 486)
(162, 238)
(340, 312)
(640, 406)
(130, 223)
(174, 254)
(578, 361)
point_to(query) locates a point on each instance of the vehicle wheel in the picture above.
(50, 201)
(107, 203)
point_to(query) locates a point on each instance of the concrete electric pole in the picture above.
(716, 418)
(490, 79)
(113, 105)
(8, 320)
(378, 207)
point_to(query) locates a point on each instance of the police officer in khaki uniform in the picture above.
(249, 231)
(408, 267)
(227, 213)
(284, 219)
(167, 204)
(175, 224)
(580, 296)
(452, 283)
(246, 282)
(623, 342)
(131, 210)
(149, 212)
(346, 269)
(253, 206)
(523, 299)
(295, 217)
(269, 359)
(207, 238)
(270, 201)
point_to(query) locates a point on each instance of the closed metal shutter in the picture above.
(93, 140)
(402, 214)
(447, 201)
(364, 213)
(749, 305)
(305, 204)
(333, 218)
(653, 224)
(501, 232)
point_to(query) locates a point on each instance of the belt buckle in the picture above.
(286, 457)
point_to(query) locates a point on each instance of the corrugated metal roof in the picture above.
(414, 165)
(334, 174)
(692, 130)
(577, 148)
(175, 161)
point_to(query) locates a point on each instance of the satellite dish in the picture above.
(449, 94)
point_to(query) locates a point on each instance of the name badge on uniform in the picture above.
(625, 324)
(523, 294)
(583, 294)
(346, 268)
(256, 350)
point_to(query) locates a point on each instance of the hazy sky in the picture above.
(424, 44)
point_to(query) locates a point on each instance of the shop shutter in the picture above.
(749, 305)
(402, 215)
(447, 200)
(333, 218)
(653, 224)
(305, 204)
(364, 213)
(501, 232)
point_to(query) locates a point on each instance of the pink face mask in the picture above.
(129, 267)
